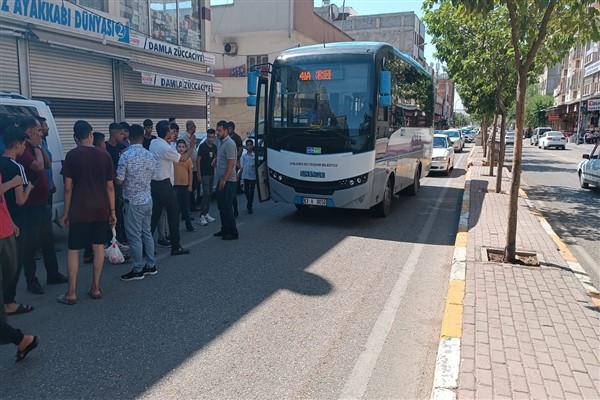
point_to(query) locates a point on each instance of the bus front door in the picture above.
(260, 145)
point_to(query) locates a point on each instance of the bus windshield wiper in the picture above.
(328, 130)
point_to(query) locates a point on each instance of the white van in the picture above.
(15, 105)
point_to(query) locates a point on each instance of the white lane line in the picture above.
(358, 380)
(189, 245)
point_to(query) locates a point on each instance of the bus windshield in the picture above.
(319, 98)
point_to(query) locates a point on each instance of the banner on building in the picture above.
(171, 82)
(593, 105)
(168, 49)
(66, 16)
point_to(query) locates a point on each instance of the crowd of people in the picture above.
(131, 184)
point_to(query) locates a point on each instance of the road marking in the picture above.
(357, 382)
(190, 244)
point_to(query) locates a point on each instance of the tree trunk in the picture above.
(484, 135)
(499, 172)
(511, 233)
(492, 145)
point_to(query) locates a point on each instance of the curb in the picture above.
(447, 364)
(564, 251)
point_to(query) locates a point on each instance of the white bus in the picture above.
(342, 125)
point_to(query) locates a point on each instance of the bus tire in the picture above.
(414, 188)
(384, 208)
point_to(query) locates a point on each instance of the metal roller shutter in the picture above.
(9, 65)
(143, 101)
(77, 85)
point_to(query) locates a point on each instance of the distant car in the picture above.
(509, 138)
(442, 158)
(588, 169)
(469, 135)
(457, 139)
(537, 134)
(552, 139)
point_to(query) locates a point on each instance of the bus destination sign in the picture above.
(320, 75)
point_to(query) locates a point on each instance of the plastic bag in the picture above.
(112, 252)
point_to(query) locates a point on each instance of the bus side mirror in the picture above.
(251, 101)
(252, 82)
(385, 88)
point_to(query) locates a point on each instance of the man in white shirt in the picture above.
(163, 195)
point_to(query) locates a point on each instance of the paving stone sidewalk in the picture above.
(528, 332)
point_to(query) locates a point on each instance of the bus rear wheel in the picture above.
(384, 208)
(414, 188)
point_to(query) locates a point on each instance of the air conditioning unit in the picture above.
(230, 49)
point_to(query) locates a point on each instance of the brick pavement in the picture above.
(528, 332)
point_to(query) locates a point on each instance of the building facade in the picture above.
(111, 60)
(240, 34)
(402, 30)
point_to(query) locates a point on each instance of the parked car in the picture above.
(457, 139)
(552, 139)
(509, 138)
(537, 133)
(588, 169)
(469, 135)
(17, 106)
(442, 158)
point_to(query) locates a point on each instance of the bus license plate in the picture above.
(314, 202)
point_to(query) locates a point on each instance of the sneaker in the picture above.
(209, 218)
(149, 271)
(57, 278)
(179, 251)
(122, 247)
(163, 243)
(133, 276)
(202, 220)
(190, 228)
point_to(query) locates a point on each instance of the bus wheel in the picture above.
(384, 208)
(414, 188)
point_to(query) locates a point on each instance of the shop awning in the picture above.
(173, 79)
(92, 45)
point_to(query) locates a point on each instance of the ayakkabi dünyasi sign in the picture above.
(64, 15)
(172, 82)
(168, 49)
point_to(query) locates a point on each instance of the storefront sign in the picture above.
(593, 105)
(66, 16)
(172, 82)
(168, 49)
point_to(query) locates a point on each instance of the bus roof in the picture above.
(349, 47)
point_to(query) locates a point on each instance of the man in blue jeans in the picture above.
(226, 176)
(135, 171)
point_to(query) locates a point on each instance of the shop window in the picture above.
(164, 20)
(100, 5)
(190, 34)
(136, 12)
(254, 60)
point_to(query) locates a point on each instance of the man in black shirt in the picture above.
(114, 146)
(148, 136)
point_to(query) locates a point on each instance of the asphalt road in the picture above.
(550, 180)
(323, 305)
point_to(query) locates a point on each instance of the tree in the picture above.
(541, 33)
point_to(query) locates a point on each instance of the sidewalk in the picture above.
(527, 332)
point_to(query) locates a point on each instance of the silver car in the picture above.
(457, 139)
(589, 169)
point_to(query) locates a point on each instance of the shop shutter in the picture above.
(9, 65)
(144, 101)
(77, 85)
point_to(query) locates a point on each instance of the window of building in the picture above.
(136, 12)
(163, 15)
(254, 60)
(577, 64)
(100, 5)
(189, 15)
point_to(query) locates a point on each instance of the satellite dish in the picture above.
(334, 12)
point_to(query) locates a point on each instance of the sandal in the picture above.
(63, 300)
(22, 354)
(95, 296)
(21, 309)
